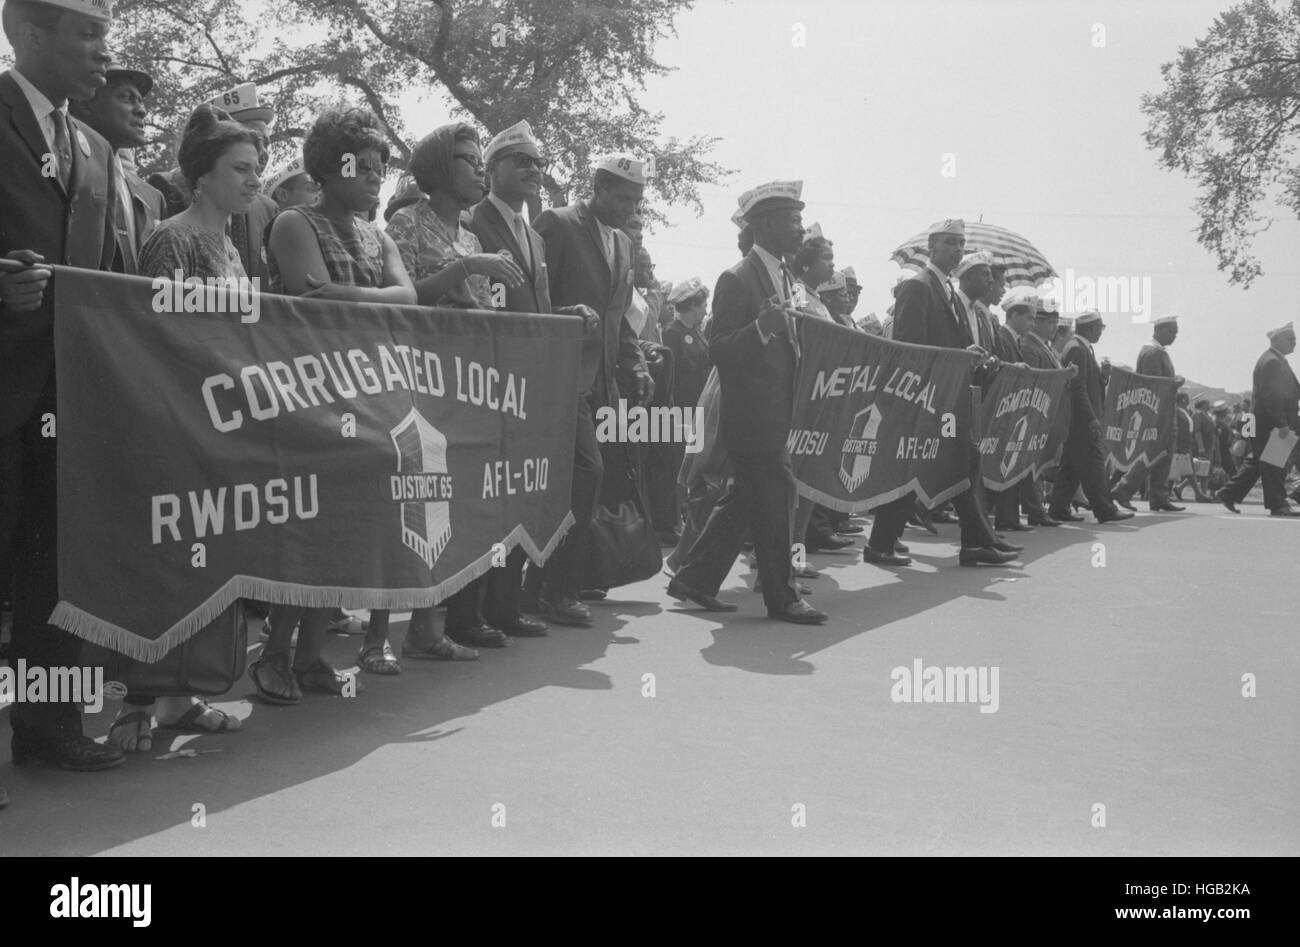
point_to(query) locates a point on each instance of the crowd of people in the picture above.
(456, 233)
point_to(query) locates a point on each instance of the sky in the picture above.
(1022, 113)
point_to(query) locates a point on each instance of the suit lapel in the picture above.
(593, 231)
(79, 158)
(24, 122)
(506, 236)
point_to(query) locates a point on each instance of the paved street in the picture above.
(1119, 686)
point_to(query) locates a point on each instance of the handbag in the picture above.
(1201, 466)
(1180, 466)
(624, 547)
(207, 664)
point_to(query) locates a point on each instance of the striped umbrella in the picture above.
(1025, 264)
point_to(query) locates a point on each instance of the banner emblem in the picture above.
(859, 447)
(1133, 435)
(1017, 438)
(422, 467)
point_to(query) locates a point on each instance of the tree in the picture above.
(1228, 117)
(572, 68)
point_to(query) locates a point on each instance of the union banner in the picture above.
(1018, 431)
(875, 419)
(1138, 421)
(319, 453)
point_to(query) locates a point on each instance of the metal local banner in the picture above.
(301, 451)
(875, 420)
(1139, 418)
(1019, 434)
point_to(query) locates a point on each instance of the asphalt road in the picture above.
(1119, 686)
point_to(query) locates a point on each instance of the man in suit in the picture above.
(1083, 460)
(589, 263)
(1154, 360)
(118, 113)
(514, 165)
(1018, 306)
(928, 311)
(1277, 408)
(1032, 322)
(58, 196)
(753, 343)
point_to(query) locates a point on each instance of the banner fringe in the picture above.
(870, 503)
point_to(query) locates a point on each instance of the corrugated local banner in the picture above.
(313, 452)
(1139, 418)
(1018, 430)
(875, 419)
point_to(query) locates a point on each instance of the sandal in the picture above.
(278, 666)
(379, 659)
(188, 722)
(444, 649)
(326, 679)
(142, 720)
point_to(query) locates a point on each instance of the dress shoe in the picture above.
(849, 529)
(1065, 516)
(900, 548)
(798, 587)
(884, 558)
(521, 627)
(684, 593)
(1013, 528)
(669, 537)
(479, 636)
(984, 555)
(806, 572)
(1003, 546)
(1284, 511)
(565, 610)
(1222, 496)
(825, 542)
(1123, 499)
(925, 521)
(81, 754)
(1166, 507)
(1115, 516)
(799, 612)
(1043, 519)
(593, 595)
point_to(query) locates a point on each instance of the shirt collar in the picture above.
(507, 212)
(943, 277)
(40, 104)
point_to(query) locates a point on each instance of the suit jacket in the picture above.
(691, 362)
(1037, 353)
(1276, 394)
(1153, 360)
(495, 235)
(1008, 349)
(74, 228)
(580, 274)
(148, 206)
(1089, 389)
(757, 380)
(923, 314)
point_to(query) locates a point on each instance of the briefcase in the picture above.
(207, 664)
(1201, 466)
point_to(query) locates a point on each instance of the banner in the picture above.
(298, 451)
(875, 420)
(1138, 419)
(1018, 433)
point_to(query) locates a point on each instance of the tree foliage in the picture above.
(1229, 117)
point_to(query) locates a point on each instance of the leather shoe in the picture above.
(1166, 507)
(1065, 516)
(799, 612)
(829, 542)
(900, 548)
(884, 558)
(80, 754)
(1014, 527)
(566, 610)
(1043, 519)
(1003, 546)
(684, 593)
(521, 627)
(1222, 496)
(1115, 517)
(984, 555)
(593, 595)
(1123, 499)
(479, 636)
(943, 516)
(806, 572)
(1284, 511)
(849, 529)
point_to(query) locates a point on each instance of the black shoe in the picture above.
(798, 587)
(884, 558)
(521, 627)
(80, 754)
(1003, 546)
(901, 549)
(925, 521)
(593, 595)
(479, 636)
(1043, 519)
(1222, 496)
(684, 593)
(1013, 527)
(669, 537)
(1065, 516)
(943, 516)
(799, 612)
(984, 555)
(1284, 511)
(829, 543)
(849, 529)
(565, 610)
(1115, 516)
(1166, 507)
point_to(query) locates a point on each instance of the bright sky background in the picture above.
(1043, 126)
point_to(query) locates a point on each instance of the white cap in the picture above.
(1281, 330)
(282, 176)
(686, 289)
(1165, 320)
(972, 260)
(1021, 297)
(626, 166)
(518, 137)
(849, 275)
(814, 231)
(837, 281)
(101, 10)
(1088, 318)
(951, 225)
(1046, 307)
(771, 194)
(242, 104)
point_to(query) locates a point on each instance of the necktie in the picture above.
(960, 310)
(125, 217)
(521, 238)
(63, 145)
(787, 294)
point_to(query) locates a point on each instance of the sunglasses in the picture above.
(523, 162)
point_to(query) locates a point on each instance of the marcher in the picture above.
(1154, 360)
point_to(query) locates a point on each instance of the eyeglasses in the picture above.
(474, 161)
(523, 162)
(379, 168)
